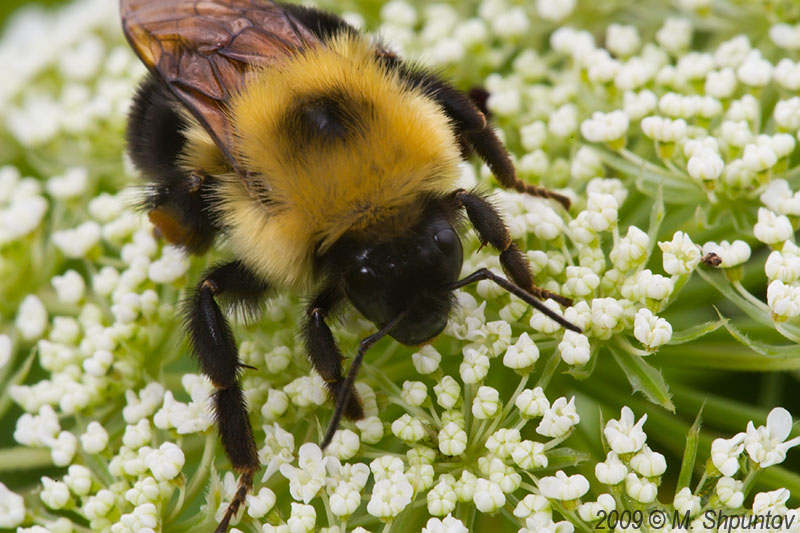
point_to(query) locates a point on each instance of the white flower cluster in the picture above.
(93, 292)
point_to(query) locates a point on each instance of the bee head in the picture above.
(410, 275)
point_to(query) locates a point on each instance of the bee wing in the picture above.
(204, 49)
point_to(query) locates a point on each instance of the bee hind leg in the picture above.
(214, 345)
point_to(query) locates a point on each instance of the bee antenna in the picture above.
(349, 380)
(521, 293)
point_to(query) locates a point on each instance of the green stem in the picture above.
(24, 458)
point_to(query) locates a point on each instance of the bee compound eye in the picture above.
(446, 240)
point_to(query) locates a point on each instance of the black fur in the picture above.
(322, 24)
(213, 344)
(230, 412)
(155, 140)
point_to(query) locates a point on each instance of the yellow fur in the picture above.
(405, 148)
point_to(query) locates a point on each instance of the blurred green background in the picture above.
(9, 6)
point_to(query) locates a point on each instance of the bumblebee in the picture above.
(328, 164)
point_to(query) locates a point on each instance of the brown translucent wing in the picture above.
(203, 49)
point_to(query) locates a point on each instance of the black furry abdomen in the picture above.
(177, 201)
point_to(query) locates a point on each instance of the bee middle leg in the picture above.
(215, 347)
(491, 229)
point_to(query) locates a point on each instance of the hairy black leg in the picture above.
(484, 273)
(213, 343)
(347, 388)
(177, 201)
(324, 354)
(491, 230)
(471, 124)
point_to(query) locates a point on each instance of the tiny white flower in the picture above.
(69, 287)
(385, 467)
(725, 454)
(562, 487)
(554, 11)
(574, 348)
(651, 330)
(640, 489)
(54, 494)
(705, 165)
(502, 441)
(166, 462)
(611, 471)
(371, 429)
(543, 323)
(783, 300)
(31, 318)
(559, 419)
(729, 492)
(772, 228)
(606, 315)
(680, 255)
(529, 455)
(664, 130)
(631, 250)
(78, 479)
(787, 113)
(686, 502)
(76, 242)
(675, 35)
(426, 360)
(605, 127)
(452, 439)
(390, 496)
(447, 525)
(531, 504)
(414, 393)
(408, 428)
(787, 74)
(475, 366)
(785, 35)
(72, 184)
(465, 486)
(755, 71)
(648, 463)
(774, 501)
(532, 403)
(344, 445)
(486, 403)
(563, 122)
(306, 480)
(95, 439)
(302, 518)
(622, 40)
(625, 435)
(137, 435)
(732, 254)
(260, 504)
(765, 445)
(759, 157)
(488, 496)
(721, 83)
(99, 505)
(63, 448)
(172, 265)
(581, 281)
(522, 354)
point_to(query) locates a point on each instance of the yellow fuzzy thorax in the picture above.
(403, 149)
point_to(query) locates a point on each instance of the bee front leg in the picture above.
(491, 229)
(213, 343)
(326, 358)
